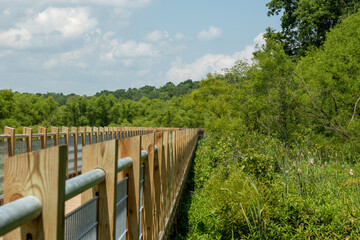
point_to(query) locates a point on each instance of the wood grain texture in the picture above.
(150, 226)
(130, 147)
(40, 174)
(167, 166)
(103, 155)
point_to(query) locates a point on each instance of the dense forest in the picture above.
(280, 157)
(146, 106)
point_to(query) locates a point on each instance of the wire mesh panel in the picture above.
(87, 139)
(81, 223)
(94, 138)
(36, 144)
(105, 136)
(79, 152)
(20, 147)
(100, 137)
(62, 140)
(121, 209)
(71, 155)
(110, 135)
(4, 153)
(50, 142)
(141, 198)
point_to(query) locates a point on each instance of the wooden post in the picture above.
(131, 147)
(103, 155)
(75, 136)
(150, 226)
(56, 131)
(11, 131)
(96, 131)
(89, 129)
(160, 180)
(66, 131)
(101, 131)
(83, 136)
(167, 164)
(29, 132)
(43, 131)
(40, 174)
(106, 132)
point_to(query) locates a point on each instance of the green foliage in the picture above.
(166, 92)
(23, 109)
(305, 22)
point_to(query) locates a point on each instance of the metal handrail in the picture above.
(5, 136)
(37, 135)
(143, 155)
(21, 136)
(81, 183)
(18, 212)
(124, 163)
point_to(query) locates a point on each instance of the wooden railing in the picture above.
(161, 156)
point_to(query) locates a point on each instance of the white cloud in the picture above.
(247, 53)
(75, 58)
(6, 12)
(129, 49)
(47, 26)
(198, 69)
(210, 34)
(179, 36)
(157, 36)
(15, 38)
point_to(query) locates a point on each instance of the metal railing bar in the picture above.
(123, 180)
(21, 136)
(144, 154)
(18, 212)
(62, 133)
(124, 163)
(37, 135)
(120, 202)
(5, 136)
(51, 134)
(122, 235)
(87, 230)
(80, 183)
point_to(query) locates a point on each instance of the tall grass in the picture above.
(305, 193)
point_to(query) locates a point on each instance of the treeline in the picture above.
(24, 109)
(165, 92)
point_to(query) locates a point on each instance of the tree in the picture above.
(305, 22)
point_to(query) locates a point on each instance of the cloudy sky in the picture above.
(85, 46)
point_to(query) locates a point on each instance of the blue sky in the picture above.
(85, 46)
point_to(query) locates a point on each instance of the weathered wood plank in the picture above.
(103, 155)
(130, 147)
(40, 174)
